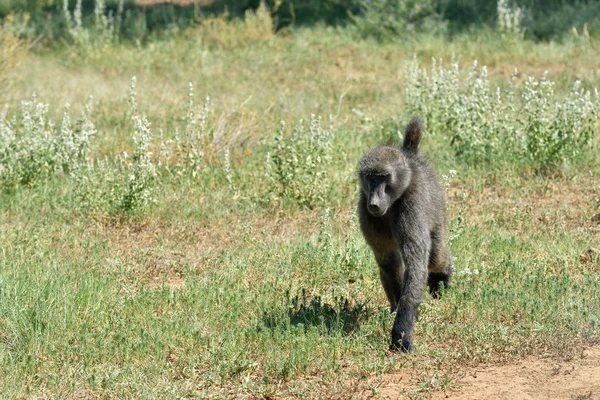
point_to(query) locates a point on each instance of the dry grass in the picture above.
(13, 49)
(257, 26)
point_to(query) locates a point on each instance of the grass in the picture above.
(219, 289)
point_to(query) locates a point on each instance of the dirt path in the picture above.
(530, 379)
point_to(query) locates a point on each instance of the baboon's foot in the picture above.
(434, 280)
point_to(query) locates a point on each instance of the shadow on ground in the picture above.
(339, 316)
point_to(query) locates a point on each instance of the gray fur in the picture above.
(402, 212)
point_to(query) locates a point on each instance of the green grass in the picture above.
(221, 291)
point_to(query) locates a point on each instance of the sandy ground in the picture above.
(532, 378)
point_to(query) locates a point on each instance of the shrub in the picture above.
(32, 149)
(300, 161)
(521, 122)
(123, 185)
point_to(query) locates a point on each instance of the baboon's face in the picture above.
(382, 190)
(384, 176)
(378, 191)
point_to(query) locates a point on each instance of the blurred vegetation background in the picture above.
(381, 19)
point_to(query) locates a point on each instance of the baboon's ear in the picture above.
(412, 135)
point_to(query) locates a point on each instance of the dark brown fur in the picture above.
(402, 212)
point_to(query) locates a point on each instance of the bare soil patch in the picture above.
(530, 379)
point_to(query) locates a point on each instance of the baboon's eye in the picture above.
(387, 189)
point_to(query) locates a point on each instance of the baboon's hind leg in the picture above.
(434, 280)
(440, 265)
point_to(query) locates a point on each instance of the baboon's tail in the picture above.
(412, 135)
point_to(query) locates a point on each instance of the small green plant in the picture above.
(457, 228)
(228, 171)
(125, 184)
(325, 235)
(191, 147)
(300, 162)
(349, 255)
(341, 253)
(447, 177)
(188, 151)
(139, 188)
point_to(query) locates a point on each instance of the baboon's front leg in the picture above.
(415, 254)
(390, 272)
(440, 263)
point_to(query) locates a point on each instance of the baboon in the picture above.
(402, 215)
